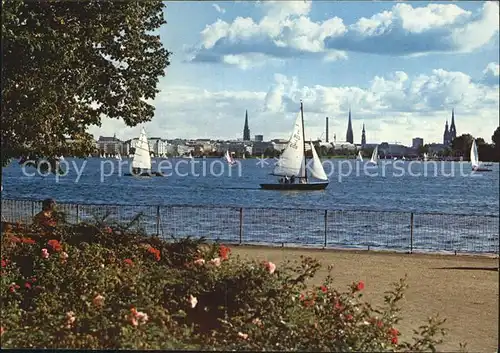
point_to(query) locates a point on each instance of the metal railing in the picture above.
(398, 231)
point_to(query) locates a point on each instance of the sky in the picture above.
(400, 66)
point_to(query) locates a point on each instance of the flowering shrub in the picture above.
(100, 288)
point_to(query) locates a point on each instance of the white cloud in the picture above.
(491, 74)
(218, 8)
(393, 107)
(286, 30)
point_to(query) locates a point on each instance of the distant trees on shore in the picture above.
(461, 146)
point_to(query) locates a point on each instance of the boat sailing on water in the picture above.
(374, 159)
(229, 159)
(474, 159)
(141, 162)
(360, 157)
(292, 164)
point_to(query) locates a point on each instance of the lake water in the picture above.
(356, 195)
(441, 187)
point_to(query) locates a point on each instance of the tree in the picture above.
(423, 149)
(461, 145)
(67, 64)
(496, 137)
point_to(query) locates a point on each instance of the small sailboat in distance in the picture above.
(374, 159)
(229, 159)
(292, 163)
(474, 159)
(141, 162)
(426, 157)
(360, 157)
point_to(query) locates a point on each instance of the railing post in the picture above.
(241, 225)
(77, 214)
(158, 220)
(326, 226)
(411, 233)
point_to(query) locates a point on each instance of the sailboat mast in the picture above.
(303, 139)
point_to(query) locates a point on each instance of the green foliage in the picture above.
(461, 146)
(68, 63)
(100, 287)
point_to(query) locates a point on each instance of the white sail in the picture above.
(374, 158)
(360, 157)
(229, 159)
(426, 158)
(474, 156)
(292, 159)
(142, 156)
(119, 157)
(317, 169)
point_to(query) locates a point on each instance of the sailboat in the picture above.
(360, 157)
(426, 157)
(141, 162)
(474, 159)
(229, 159)
(292, 163)
(118, 156)
(374, 159)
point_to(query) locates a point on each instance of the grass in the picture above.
(463, 289)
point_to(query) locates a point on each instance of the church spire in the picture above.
(349, 135)
(453, 129)
(363, 136)
(246, 130)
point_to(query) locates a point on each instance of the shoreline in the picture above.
(373, 251)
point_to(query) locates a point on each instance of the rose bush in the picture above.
(100, 287)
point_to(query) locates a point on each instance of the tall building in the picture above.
(417, 142)
(453, 129)
(363, 136)
(246, 130)
(259, 138)
(349, 137)
(446, 135)
(450, 133)
(327, 139)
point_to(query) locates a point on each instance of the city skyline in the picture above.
(450, 133)
(328, 57)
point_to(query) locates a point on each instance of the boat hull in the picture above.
(298, 186)
(482, 170)
(145, 174)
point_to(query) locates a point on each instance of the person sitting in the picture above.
(46, 217)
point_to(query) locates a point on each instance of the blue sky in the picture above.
(401, 67)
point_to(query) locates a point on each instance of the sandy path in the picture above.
(463, 289)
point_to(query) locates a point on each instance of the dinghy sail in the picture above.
(141, 161)
(229, 159)
(474, 159)
(374, 159)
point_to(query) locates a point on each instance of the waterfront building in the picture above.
(417, 142)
